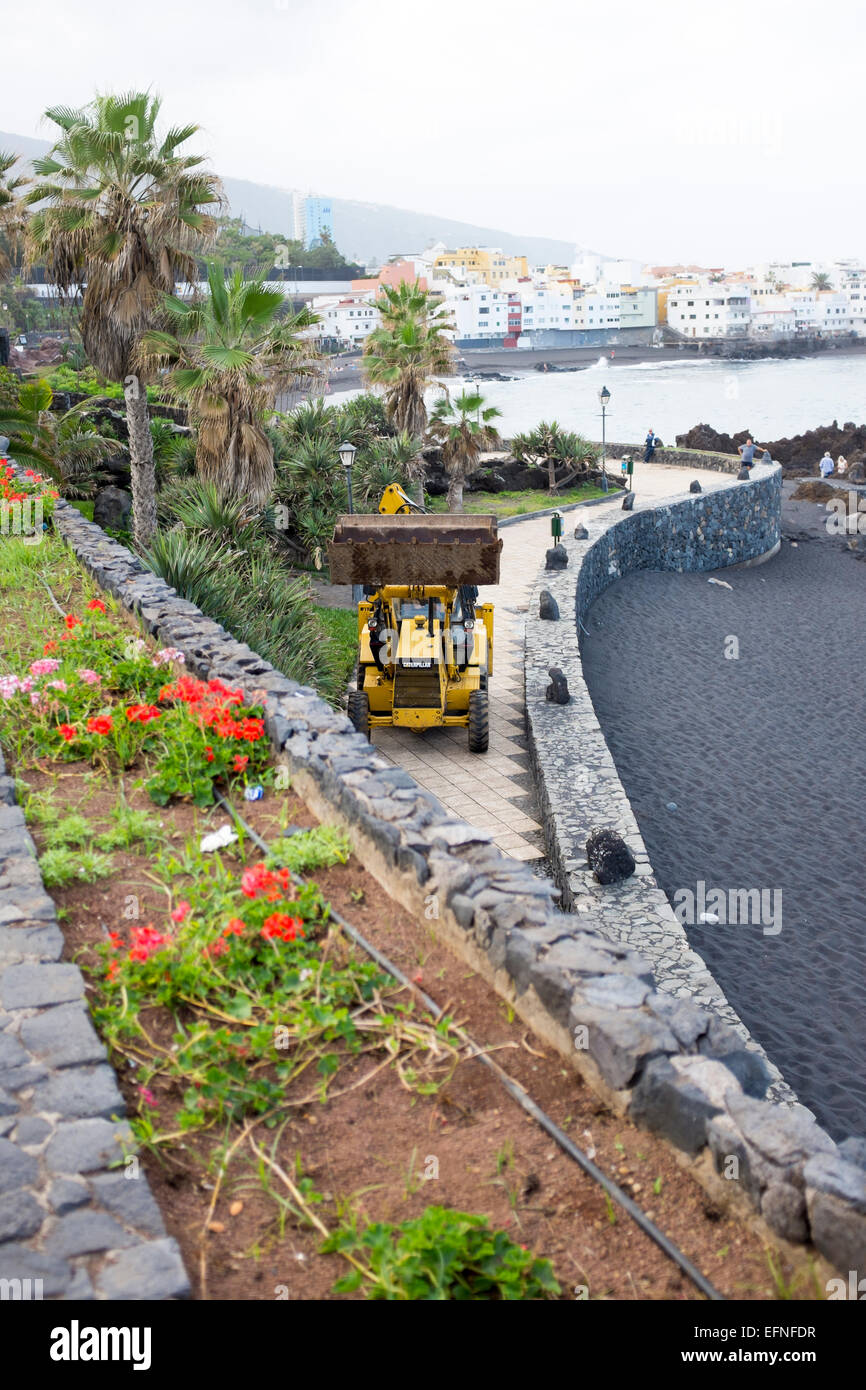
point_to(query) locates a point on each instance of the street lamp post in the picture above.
(347, 458)
(604, 397)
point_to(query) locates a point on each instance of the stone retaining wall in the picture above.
(665, 1060)
(578, 784)
(70, 1224)
(678, 458)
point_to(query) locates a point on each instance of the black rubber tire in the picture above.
(359, 711)
(479, 722)
(362, 675)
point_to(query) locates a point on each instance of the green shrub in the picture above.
(439, 1256)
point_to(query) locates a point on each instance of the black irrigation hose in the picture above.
(517, 1093)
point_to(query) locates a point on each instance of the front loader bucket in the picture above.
(448, 550)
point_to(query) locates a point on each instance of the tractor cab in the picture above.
(425, 642)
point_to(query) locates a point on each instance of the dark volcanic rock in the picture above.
(548, 607)
(556, 558)
(797, 455)
(609, 856)
(557, 691)
(112, 507)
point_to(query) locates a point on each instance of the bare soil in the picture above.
(368, 1148)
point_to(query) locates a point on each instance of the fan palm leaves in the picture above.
(12, 217)
(122, 211)
(68, 445)
(228, 356)
(464, 428)
(408, 351)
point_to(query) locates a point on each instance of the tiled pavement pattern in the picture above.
(495, 791)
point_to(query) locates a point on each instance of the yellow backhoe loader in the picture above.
(425, 643)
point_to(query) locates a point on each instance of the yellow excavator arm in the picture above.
(394, 500)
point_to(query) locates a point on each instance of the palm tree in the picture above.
(821, 281)
(12, 219)
(122, 213)
(229, 355)
(464, 428)
(408, 351)
(67, 445)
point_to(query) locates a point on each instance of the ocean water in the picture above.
(773, 398)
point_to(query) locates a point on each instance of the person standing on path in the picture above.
(650, 442)
(826, 465)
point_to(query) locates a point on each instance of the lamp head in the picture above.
(347, 454)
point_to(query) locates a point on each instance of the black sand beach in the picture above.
(764, 757)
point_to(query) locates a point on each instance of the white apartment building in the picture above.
(598, 307)
(823, 311)
(478, 310)
(709, 310)
(348, 318)
(638, 306)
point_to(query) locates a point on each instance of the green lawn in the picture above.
(341, 634)
(504, 504)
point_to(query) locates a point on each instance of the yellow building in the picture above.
(481, 264)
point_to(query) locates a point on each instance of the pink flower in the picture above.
(147, 1095)
(44, 666)
(169, 654)
(10, 685)
(57, 685)
(89, 677)
(180, 912)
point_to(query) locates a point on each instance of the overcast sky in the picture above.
(722, 133)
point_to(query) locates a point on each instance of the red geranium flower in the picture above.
(71, 621)
(147, 940)
(208, 752)
(49, 647)
(180, 912)
(67, 732)
(240, 761)
(236, 927)
(100, 724)
(281, 925)
(96, 606)
(143, 714)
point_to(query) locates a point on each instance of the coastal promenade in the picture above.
(495, 792)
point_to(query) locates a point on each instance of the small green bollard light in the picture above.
(556, 526)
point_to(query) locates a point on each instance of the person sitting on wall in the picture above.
(747, 453)
(651, 441)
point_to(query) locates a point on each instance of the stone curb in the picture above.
(579, 988)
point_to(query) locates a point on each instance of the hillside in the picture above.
(363, 231)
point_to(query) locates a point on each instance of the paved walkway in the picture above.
(495, 791)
